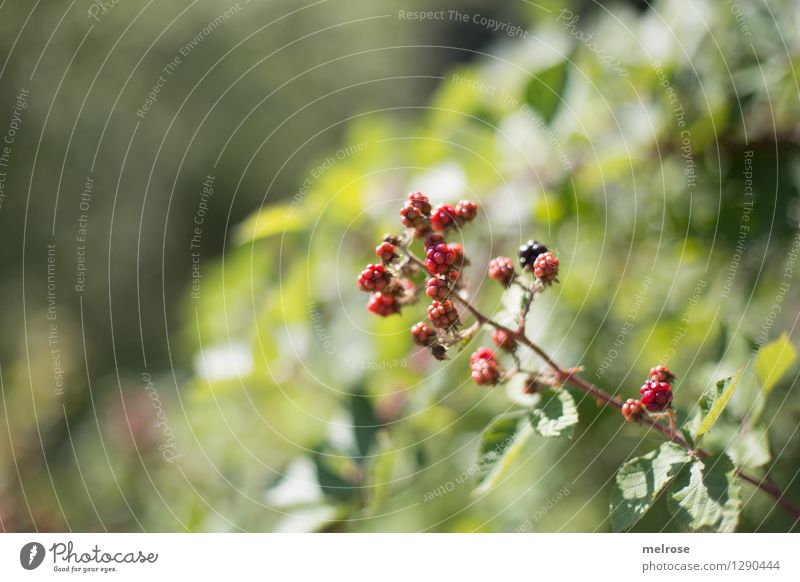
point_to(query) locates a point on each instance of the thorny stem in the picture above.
(570, 377)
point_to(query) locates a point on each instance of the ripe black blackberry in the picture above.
(529, 252)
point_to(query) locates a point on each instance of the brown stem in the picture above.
(569, 377)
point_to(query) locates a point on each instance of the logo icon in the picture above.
(31, 555)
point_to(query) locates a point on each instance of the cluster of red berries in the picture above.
(443, 314)
(390, 289)
(485, 368)
(386, 290)
(655, 393)
(533, 256)
(417, 214)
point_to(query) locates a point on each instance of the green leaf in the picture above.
(331, 483)
(269, 222)
(639, 482)
(706, 497)
(557, 416)
(382, 469)
(544, 91)
(749, 448)
(500, 445)
(772, 362)
(714, 401)
(365, 423)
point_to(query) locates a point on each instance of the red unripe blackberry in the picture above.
(443, 216)
(412, 217)
(383, 305)
(529, 252)
(654, 385)
(631, 408)
(656, 395)
(432, 239)
(421, 202)
(484, 367)
(503, 340)
(374, 278)
(385, 251)
(459, 251)
(442, 314)
(466, 210)
(436, 288)
(545, 267)
(501, 269)
(661, 374)
(439, 258)
(423, 334)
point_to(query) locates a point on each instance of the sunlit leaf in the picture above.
(713, 402)
(268, 222)
(639, 482)
(500, 445)
(706, 497)
(772, 362)
(557, 415)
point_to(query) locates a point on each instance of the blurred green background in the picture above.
(191, 353)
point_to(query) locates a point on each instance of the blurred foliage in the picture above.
(293, 409)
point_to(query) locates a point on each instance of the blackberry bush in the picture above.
(552, 411)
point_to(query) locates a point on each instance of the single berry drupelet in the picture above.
(484, 367)
(416, 211)
(466, 210)
(382, 304)
(443, 216)
(529, 252)
(374, 278)
(661, 373)
(385, 251)
(545, 267)
(439, 258)
(656, 396)
(436, 288)
(503, 340)
(423, 334)
(443, 314)
(501, 269)
(631, 408)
